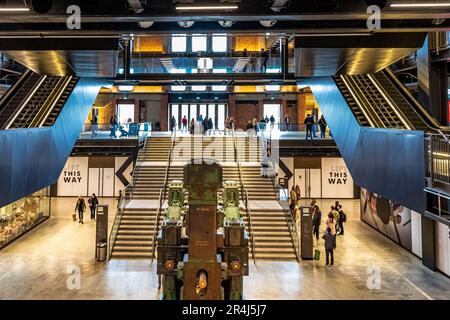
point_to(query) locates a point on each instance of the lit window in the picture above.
(126, 88)
(178, 88)
(177, 70)
(219, 88)
(273, 70)
(179, 43)
(198, 42)
(272, 88)
(205, 63)
(220, 70)
(194, 70)
(198, 88)
(219, 43)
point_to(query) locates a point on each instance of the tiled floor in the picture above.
(41, 265)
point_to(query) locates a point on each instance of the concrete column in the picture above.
(164, 112)
(428, 243)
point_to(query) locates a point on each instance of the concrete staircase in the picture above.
(136, 230)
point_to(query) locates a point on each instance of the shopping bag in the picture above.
(316, 255)
(74, 217)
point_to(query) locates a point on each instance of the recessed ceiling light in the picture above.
(420, 5)
(206, 7)
(14, 9)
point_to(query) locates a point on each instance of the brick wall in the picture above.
(244, 112)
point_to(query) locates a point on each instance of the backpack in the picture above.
(344, 217)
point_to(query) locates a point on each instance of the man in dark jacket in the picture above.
(330, 245)
(309, 121)
(317, 217)
(342, 219)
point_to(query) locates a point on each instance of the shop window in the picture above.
(199, 43)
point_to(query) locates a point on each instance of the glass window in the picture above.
(273, 70)
(198, 88)
(179, 43)
(221, 116)
(205, 63)
(178, 88)
(193, 112)
(174, 112)
(272, 88)
(177, 70)
(125, 112)
(212, 112)
(220, 70)
(203, 110)
(219, 88)
(198, 42)
(219, 43)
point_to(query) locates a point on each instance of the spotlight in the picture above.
(268, 23)
(226, 23)
(186, 24)
(145, 24)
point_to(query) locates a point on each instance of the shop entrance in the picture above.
(216, 111)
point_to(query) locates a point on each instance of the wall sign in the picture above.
(73, 178)
(336, 179)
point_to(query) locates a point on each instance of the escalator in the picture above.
(17, 95)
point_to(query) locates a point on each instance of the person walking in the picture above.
(264, 60)
(210, 125)
(342, 220)
(93, 203)
(272, 121)
(322, 126)
(80, 207)
(231, 124)
(173, 123)
(317, 219)
(184, 123)
(309, 121)
(255, 125)
(330, 245)
(226, 125)
(192, 126)
(287, 122)
(94, 125)
(336, 216)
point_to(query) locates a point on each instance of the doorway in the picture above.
(272, 109)
(125, 112)
(216, 111)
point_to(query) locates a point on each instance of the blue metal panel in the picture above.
(389, 162)
(33, 159)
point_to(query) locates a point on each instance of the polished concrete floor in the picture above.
(44, 263)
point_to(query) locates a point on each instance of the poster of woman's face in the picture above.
(388, 217)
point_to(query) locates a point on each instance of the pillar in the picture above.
(428, 243)
(164, 112)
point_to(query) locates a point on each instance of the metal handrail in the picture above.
(117, 220)
(245, 196)
(292, 225)
(162, 196)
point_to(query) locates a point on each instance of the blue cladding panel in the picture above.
(385, 161)
(33, 159)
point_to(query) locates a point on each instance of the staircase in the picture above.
(135, 233)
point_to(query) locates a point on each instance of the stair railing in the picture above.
(162, 196)
(292, 224)
(245, 197)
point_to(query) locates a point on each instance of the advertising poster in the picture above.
(389, 218)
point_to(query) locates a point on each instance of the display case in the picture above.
(23, 215)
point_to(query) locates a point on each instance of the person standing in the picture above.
(272, 121)
(192, 126)
(298, 193)
(264, 60)
(287, 122)
(80, 207)
(173, 123)
(245, 55)
(119, 199)
(292, 198)
(322, 126)
(331, 222)
(184, 123)
(231, 124)
(309, 121)
(113, 126)
(342, 220)
(336, 216)
(330, 245)
(94, 125)
(226, 125)
(210, 125)
(93, 203)
(317, 219)
(255, 125)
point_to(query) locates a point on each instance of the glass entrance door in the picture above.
(216, 111)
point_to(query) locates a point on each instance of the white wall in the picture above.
(442, 240)
(416, 233)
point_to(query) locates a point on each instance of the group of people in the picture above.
(206, 125)
(114, 125)
(80, 207)
(334, 222)
(250, 66)
(311, 130)
(228, 125)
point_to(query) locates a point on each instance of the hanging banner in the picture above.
(73, 180)
(336, 179)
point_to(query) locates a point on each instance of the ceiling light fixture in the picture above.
(13, 9)
(420, 5)
(206, 7)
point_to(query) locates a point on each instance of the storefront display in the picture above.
(22, 215)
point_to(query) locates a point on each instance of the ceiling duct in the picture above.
(137, 5)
